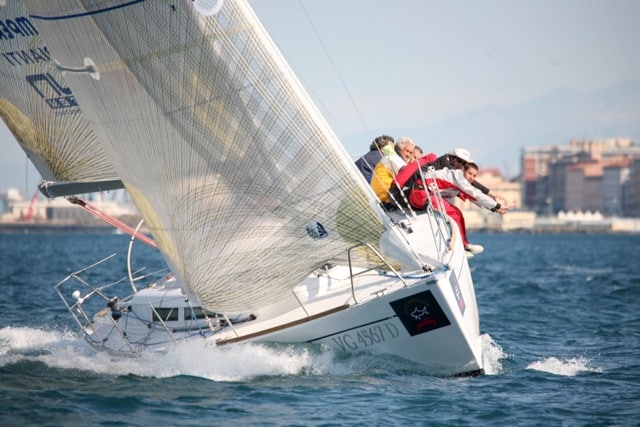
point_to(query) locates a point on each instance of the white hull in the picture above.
(427, 317)
(397, 323)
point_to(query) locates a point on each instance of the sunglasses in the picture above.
(462, 162)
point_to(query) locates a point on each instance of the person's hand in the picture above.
(504, 209)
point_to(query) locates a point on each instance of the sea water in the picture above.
(562, 347)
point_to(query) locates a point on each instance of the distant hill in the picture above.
(496, 135)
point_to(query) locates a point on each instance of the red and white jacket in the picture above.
(452, 184)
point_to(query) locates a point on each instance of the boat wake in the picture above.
(492, 354)
(202, 358)
(568, 367)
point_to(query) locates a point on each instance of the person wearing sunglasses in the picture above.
(457, 159)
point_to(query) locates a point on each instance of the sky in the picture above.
(491, 76)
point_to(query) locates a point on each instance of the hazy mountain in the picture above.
(496, 135)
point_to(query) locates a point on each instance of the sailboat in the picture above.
(269, 232)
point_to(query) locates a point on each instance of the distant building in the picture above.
(614, 178)
(510, 190)
(584, 175)
(59, 210)
(631, 191)
(516, 219)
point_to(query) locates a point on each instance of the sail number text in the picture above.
(366, 337)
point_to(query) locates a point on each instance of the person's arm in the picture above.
(481, 187)
(474, 194)
(441, 163)
(487, 191)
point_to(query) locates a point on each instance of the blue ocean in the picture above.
(562, 348)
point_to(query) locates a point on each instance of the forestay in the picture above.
(41, 111)
(242, 183)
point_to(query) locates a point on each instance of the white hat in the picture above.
(463, 154)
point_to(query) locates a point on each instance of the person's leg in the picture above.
(456, 214)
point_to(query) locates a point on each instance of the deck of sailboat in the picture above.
(320, 295)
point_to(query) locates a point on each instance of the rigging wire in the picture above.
(26, 174)
(335, 68)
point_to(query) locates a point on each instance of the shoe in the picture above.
(474, 249)
(468, 254)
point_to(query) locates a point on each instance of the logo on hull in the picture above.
(420, 313)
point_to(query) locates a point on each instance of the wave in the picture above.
(566, 367)
(202, 358)
(65, 350)
(492, 354)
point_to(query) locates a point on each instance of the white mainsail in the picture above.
(241, 181)
(41, 111)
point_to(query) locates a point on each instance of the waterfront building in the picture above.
(583, 175)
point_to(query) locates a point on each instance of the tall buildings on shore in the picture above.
(594, 175)
(584, 185)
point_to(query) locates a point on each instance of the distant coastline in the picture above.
(49, 227)
(539, 228)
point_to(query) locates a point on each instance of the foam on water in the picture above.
(241, 361)
(492, 353)
(566, 367)
(202, 358)
(197, 357)
(23, 339)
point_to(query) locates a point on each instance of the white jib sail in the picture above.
(242, 183)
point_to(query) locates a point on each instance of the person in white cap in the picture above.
(457, 159)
